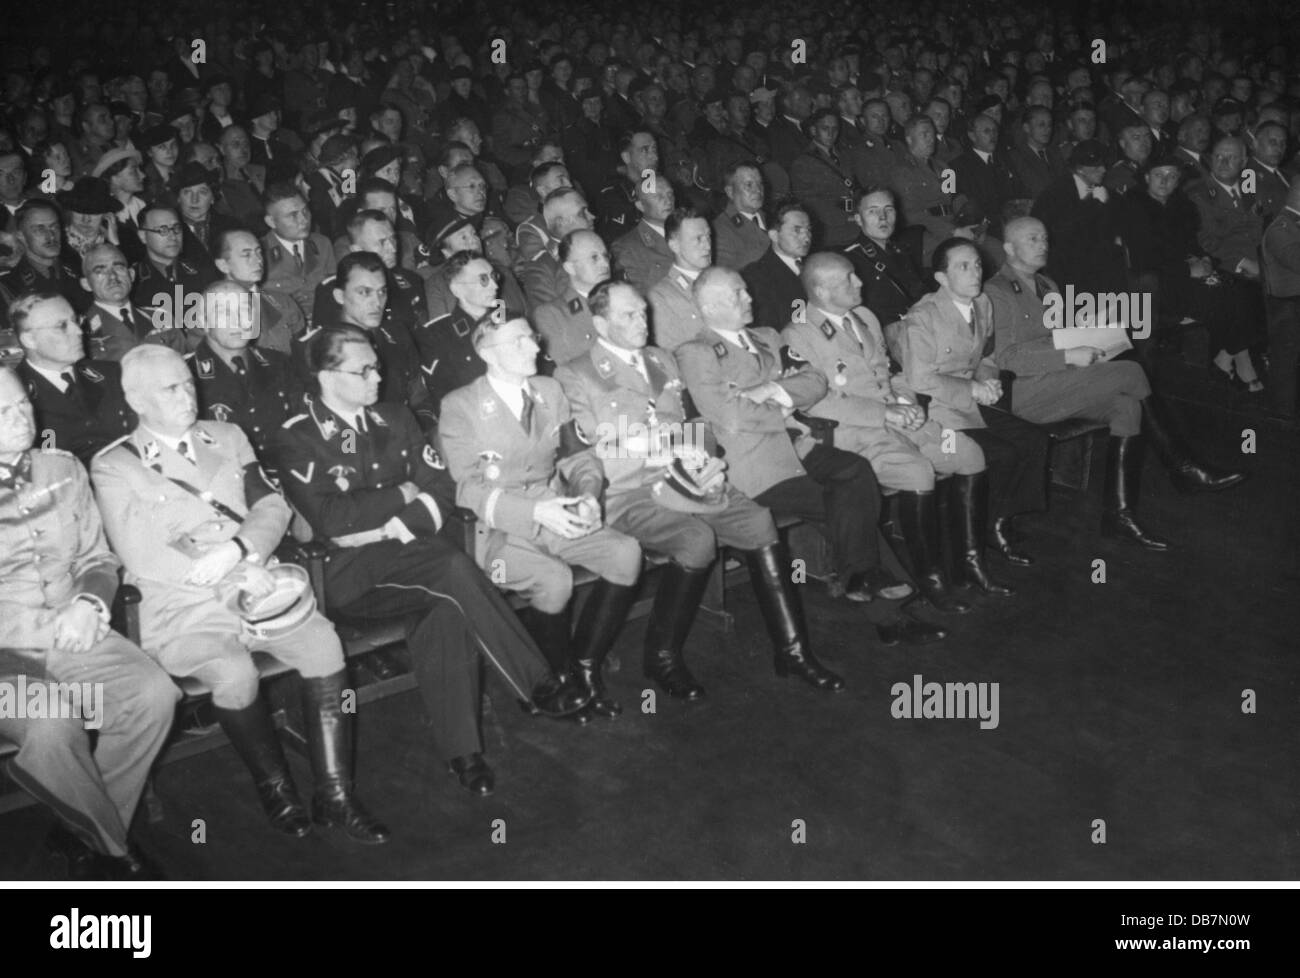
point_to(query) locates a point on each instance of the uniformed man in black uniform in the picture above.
(361, 290)
(45, 267)
(447, 357)
(616, 202)
(362, 474)
(372, 231)
(890, 280)
(79, 403)
(237, 381)
(166, 283)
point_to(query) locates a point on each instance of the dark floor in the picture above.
(1119, 701)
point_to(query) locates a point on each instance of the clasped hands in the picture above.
(570, 517)
(986, 391)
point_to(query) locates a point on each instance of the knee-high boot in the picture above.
(1123, 479)
(969, 512)
(1185, 473)
(329, 744)
(783, 615)
(918, 518)
(254, 738)
(602, 616)
(679, 594)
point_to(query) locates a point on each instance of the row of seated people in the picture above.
(534, 458)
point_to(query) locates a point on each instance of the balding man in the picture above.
(113, 324)
(236, 380)
(531, 235)
(511, 445)
(1281, 267)
(79, 403)
(643, 253)
(740, 231)
(1231, 226)
(736, 379)
(57, 581)
(840, 339)
(1053, 385)
(543, 277)
(565, 323)
(675, 318)
(195, 520)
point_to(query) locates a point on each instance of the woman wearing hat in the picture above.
(162, 144)
(120, 169)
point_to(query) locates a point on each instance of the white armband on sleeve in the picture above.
(431, 505)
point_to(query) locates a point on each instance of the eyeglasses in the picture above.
(518, 342)
(171, 230)
(365, 373)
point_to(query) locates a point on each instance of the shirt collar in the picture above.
(983, 155)
(55, 377)
(512, 394)
(168, 440)
(618, 351)
(691, 276)
(288, 245)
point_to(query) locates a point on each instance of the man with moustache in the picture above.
(113, 325)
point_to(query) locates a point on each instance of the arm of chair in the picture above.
(1006, 377)
(126, 612)
(460, 529)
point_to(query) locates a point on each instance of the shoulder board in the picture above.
(1015, 287)
(575, 305)
(111, 445)
(188, 356)
(737, 220)
(827, 329)
(854, 247)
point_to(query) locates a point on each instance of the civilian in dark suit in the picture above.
(982, 174)
(773, 280)
(1083, 225)
(1036, 162)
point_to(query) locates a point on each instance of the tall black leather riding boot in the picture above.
(1120, 495)
(678, 597)
(918, 519)
(969, 511)
(1185, 473)
(769, 573)
(329, 744)
(254, 738)
(602, 616)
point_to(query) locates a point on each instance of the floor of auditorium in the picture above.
(1120, 702)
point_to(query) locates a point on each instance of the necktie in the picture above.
(237, 362)
(297, 256)
(124, 314)
(1236, 197)
(639, 367)
(20, 471)
(526, 412)
(745, 345)
(73, 389)
(850, 326)
(184, 450)
(1041, 154)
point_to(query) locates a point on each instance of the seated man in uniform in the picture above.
(57, 579)
(878, 415)
(236, 380)
(363, 476)
(239, 259)
(950, 357)
(79, 403)
(194, 519)
(1053, 385)
(736, 379)
(676, 318)
(113, 324)
(565, 323)
(519, 464)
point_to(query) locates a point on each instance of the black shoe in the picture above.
(798, 661)
(1187, 476)
(1184, 472)
(1001, 542)
(337, 810)
(284, 809)
(557, 698)
(668, 671)
(329, 745)
(918, 519)
(909, 630)
(1120, 494)
(254, 738)
(474, 774)
(873, 584)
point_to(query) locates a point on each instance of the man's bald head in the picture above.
(821, 267)
(1018, 227)
(159, 388)
(17, 422)
(1025, 242)
(723, 300)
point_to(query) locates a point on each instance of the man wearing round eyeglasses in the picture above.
(522, 466)
(459, 234)
(79, 403)
(447, 356)
(165, 283)
(364, 477)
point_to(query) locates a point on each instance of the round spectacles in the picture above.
(365, 373)
(167, 229)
